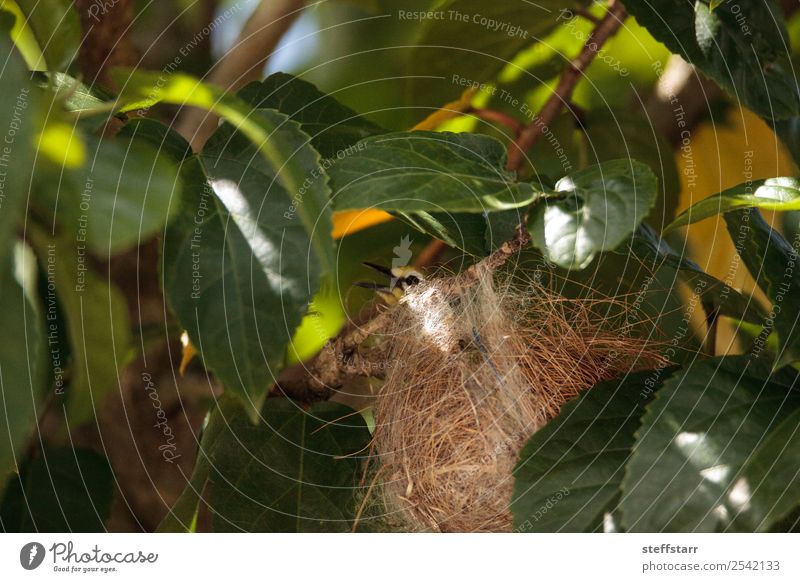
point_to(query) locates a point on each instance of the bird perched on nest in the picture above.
(400, 280)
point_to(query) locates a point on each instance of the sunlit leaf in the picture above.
(779, 194)
(593, 210)
(425, 171)
(704, 424)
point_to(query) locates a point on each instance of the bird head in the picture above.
(400, 279)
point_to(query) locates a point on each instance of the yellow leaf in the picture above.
(351, 221)
(711, 159)
(188, 352)
(447, 112)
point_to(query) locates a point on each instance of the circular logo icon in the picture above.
(31, 555)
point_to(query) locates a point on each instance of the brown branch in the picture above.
(497, 117)
(106, 38)
(605, 28)
(243, 62)
(430, 254)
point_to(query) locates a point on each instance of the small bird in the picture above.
(401, 278)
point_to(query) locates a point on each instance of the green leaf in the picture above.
(57, 29)
(75, 96)
(741, 45)
(594, 209)
(165, 139)
(628, 133)
(768, 488)
(569, 474)
(475, 234)
(295, 165)
(424, 171)
(295, 471)
(704, 424)
(654, 251)
(22, 370)
(17, 107)
(182, 516)
(125, 195)
(239, 268)
(779, 194)
(773, 263)
(97, 323)
(332, 127)
(63, 490)
(474, 39)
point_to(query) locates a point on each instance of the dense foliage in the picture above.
(423, 118)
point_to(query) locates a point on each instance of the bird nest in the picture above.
(475, 366)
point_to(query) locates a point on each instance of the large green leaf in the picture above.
(777, 194)
(703, 426)
(594, 209)
(62, 490)
(424, 171)
(57, 29)
(96, 318)
(295, 471)
(18, 101)
(569, 473)
(332, 126)
(22, 370)
(741, 45)
(654, 251)
(472, 40)
(294, 163)
(127, 189)
(239, 268)
(165, 139)
(769, 484)
(110, 195)
(773, 262)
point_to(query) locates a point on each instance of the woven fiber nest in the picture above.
(475, 368)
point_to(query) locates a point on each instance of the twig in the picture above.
(430, 254)
(497, 117)
(243, 62)
(605, 28)
(586, 15)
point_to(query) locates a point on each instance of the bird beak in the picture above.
(372, 286)
(380, 268)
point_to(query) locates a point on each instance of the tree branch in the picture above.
(604, 30)
(243, 62)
